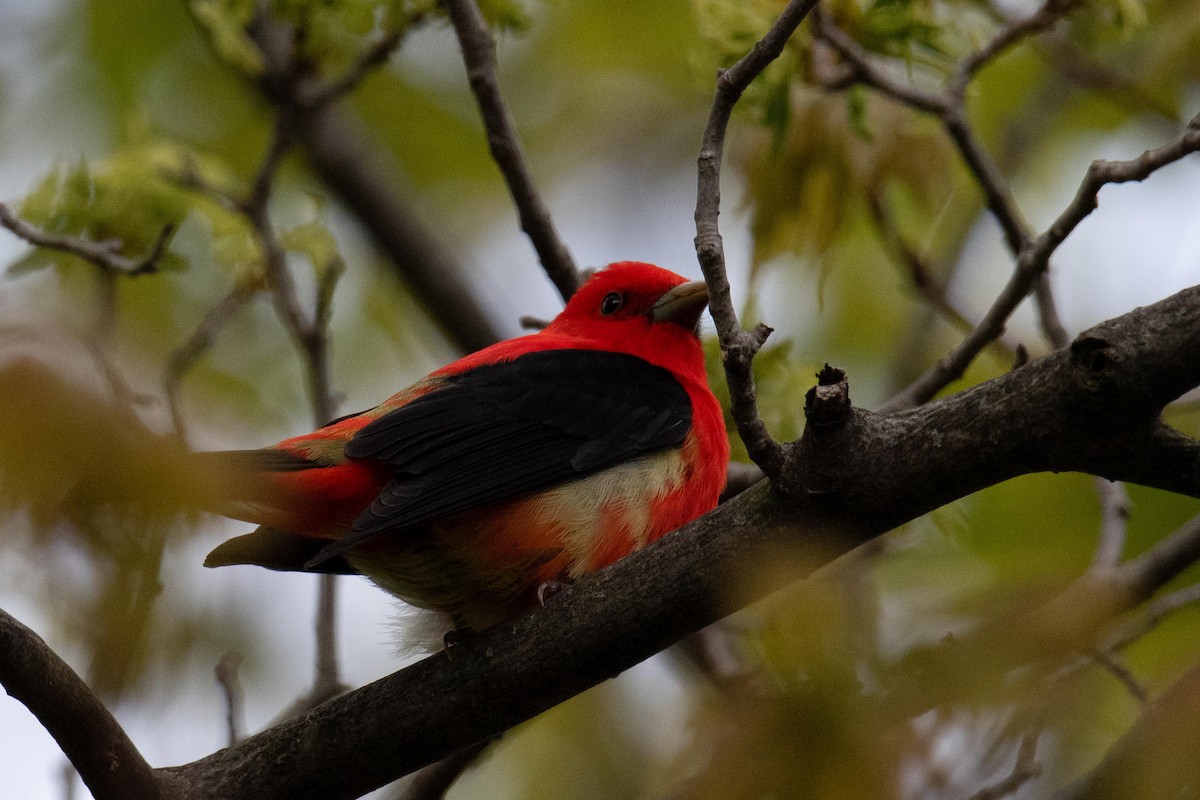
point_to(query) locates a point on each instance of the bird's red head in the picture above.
(635, 307)
(628, 307)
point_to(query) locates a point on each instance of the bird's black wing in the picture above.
(506, 429)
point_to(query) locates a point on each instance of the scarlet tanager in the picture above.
(524, 464)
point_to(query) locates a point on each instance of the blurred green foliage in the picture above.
(840, 666)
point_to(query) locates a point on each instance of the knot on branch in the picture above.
(743, 346)
(1093, 357)
(709, 247)
(827, 405)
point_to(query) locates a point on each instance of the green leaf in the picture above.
(225, 22)
(315, 242)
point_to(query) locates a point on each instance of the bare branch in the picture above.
(345, 156)
(184, 356)
(1154, 613)
(432, 782)
(1151, 570)
(227, 678)
(87, 733)
(1024, 770)
(327, 682)
(1114, 514)
(106, 254)
(375, 55)
(868, 70)
(1011, 34)
(738, 346)
(950, 108)
(739, 477)
(867, 476)
(1113, 665)
(919, 271)
(479, 54)
(358, 170)
(1033, 259)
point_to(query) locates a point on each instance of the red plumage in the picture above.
(534, 460)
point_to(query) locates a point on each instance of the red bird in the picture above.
(527, 463)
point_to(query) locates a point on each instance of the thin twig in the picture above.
(1024, 770)
(739, 477)
(1114, 516)
(1113, 664)
(1169, 556)
(1156, 757)
(432, 782)
(345, 156)
(184, 356)
(99, 343)
(738, 346)
(231, 688)
(479, 54)
(950, 108)
(1034, 258)
(68, 775)
(1150, 618)
(327, 682)
(308, 333)
(310, 337)
(869, 71)
(1011, 34)
(919, 272)
(105, 254)
(376, 54)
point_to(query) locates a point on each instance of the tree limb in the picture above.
(106, 254)
(1032, 261)
(87, 733)
(479, 54)
(738, 346)
(1096, 405)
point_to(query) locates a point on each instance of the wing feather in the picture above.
(507, 429)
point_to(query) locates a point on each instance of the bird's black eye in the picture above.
(611, 303)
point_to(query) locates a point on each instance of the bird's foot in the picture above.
(546, 590)
(453, 640)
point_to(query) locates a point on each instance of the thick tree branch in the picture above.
(355, 167)
(344, 155)
(1092, 407)
(738, 346)
(479, 54)
(87, 733)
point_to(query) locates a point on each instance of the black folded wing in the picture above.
(506, 429)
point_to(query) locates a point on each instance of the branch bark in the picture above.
(738, 346)
(85, 730)
(479, 54)
(1092, 407)
(106, 254)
